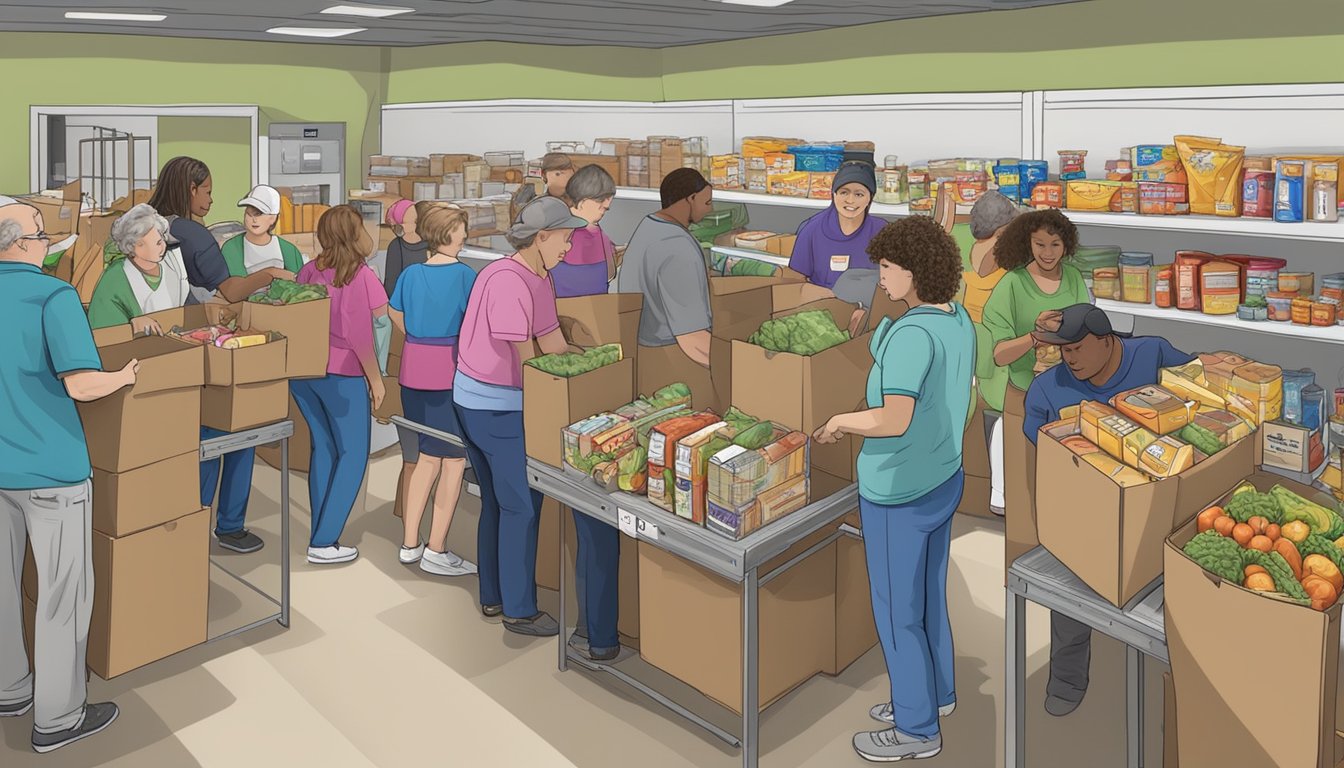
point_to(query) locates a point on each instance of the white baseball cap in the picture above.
(263, 198)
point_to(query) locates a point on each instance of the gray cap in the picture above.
(1077, 323)
(856, 173)
(544, 213)
(856, 286)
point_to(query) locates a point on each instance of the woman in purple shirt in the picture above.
(590, 265)
(836, 240)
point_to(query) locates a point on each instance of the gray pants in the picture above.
(1070, 658)
(58, 522)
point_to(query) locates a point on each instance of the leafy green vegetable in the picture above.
(1244, 506)
(586, 464)
(806, 333)
(1203, 439)
(1321, 519)
(569, 364)
(670, 395)
(1216, 554)
(289, 292)
(1316, 544)
(757, 437)
(1278, 568)
(1256, 302)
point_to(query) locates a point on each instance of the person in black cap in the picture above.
(1098, 364)
(835, 240)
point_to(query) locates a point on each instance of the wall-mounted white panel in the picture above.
(915, 127)
(1261, 118)
(527, 124)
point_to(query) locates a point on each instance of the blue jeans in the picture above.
(907, 547)
(235, 488)
(598, 579)
(338, 413)
(510, 511)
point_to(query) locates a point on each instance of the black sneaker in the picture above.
(243, 542)
(540, 625)
(96, 718)
(491, 611)
(16, 710)
(608, 654)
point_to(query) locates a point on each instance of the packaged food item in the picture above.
(820, 186)
(1090, 416)
(1154, 409)
(1254, 390)
(1072, 164)
(1301, 310)
(771, 505)
(1136, 271)
(1162, 292)
(1262, 275)
(1188, 264)
(1181, 383)
(1031, 173)
(1167, 457)
(1134, 444)
(797, 184)
(1047, 194)
(1257, 194)
(1220, 287)
(1111, 434)
(663, 441)
(1280, 306)
(817, 158)
(1121, 475)
(1082, 195)
(1162, 198)
(1322, 314)
(1077, 444)
(1224, 427)
(737, 475)
(1293, 384)
(1119, 170)
(1324, 192)
(725, 171)
(970, 186)
(1106, 283)
(918, 182)
(1213, 170)
(1313, 407)
(754, 240)
(693, 454)
(892, 186)
(1008, 177)
(1157, 163)
(1290, 189)
(778, 162)
(1297, 283)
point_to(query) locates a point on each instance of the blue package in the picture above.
(1031, 173)
(817, 158)
(1290, 185)
(1075, 176)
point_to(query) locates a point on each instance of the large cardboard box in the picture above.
(87, 255)
(1111, 537)
(1019, 480)
(609, 318)
(156, 419)
(739, 306)
(306, 328)
(143, 498)
(691, 623)
(656, 367)
(440, 165)
(244, 406)
(804, 392)
(152, 594)
(300, 445)
(1170, 754)
(1228, 714)
(855, 632)
(551, 403)
(60, 215)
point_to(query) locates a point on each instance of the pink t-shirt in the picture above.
(352, 308)
(509, 304)
(589, 245)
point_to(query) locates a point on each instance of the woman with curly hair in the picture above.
(910, 479)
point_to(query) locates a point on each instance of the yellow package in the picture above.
(1186, 389)
(1167, 457)
(1215, 174)
(1111, 434)
(1121, 475)
(1082, 195)
(797, 184)
(1154, 409)
(1135, 444)
(1193, 370)
(1090, 414)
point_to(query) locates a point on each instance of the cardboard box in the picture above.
(441, 165)
(609, 318)
(1290, 447)
(146, 497)
(250, 365)
(307, 331)
(1111, 537)
(391, 405)
(802, 393)
(60, 215)
(855, 632)
(739, 306)
(166, 396)
(87, 258)
(657, 367)
(152, 595)
(1217, 701)
(1019, 474)
(609, 163)
(691, 623)
(1170, 755)
(551, 403)
(244, 406)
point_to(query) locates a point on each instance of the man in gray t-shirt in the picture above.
(665, 264)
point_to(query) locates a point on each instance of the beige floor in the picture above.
(384, 666)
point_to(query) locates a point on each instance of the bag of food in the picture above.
(1215, 174)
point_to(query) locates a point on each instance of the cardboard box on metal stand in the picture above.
(1019, 476)
(146, 497)
(551, 403)
(244, 406)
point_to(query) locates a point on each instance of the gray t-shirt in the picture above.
(665, 264)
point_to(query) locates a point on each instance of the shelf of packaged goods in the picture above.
(756, 198)
(1331, 335)
(748, 253)
(1321, 231)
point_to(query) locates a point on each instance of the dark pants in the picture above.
(1070, 658)
(598, 561)
(235, 486)
(510, 511)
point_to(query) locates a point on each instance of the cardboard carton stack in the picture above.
(297, 218)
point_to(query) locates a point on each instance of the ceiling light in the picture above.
(366, 11)
(104, 16)
(757, 3)
(316, 31)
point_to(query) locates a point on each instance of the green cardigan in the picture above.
(233, 255)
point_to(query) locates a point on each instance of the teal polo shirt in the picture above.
(45, 335)
(927, 354)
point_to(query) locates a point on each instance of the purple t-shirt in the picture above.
(823, 253)
(352, 308)
(509, 304)
(584, 270)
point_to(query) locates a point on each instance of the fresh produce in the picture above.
(1322, 566)
(1260, 543)
(289, 292)
(1223, 526)
(1273, 562)
(738, 421)
(672, 394)
(1245, 505)
(569, 364)
(634, 466)
(1295, 508)
(1218, 555)
(1242, 534)
(1288, 551)
(1206, 441)
(1273, 531)
(1296, 531)
(756, 437)
(1260, 582)
(805, 333)
(1321, 592)
(1250, 570)
(1208, 517)
(586, 464)
(1323, 547)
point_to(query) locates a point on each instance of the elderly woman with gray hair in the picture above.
(150, 277)
(590, 265)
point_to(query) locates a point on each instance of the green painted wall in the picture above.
(223, 143)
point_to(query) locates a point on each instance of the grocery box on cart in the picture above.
(552, 401)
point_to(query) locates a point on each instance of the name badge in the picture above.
(839, 263)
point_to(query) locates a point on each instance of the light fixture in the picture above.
(367, 11)
(106, 16)
(316, 31)
(757, 3)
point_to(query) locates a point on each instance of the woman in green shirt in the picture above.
(258, 247)
(149, 278)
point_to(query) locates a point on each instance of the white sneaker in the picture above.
(412, 555)
(445, 564)
(882, 713)
(331, 555)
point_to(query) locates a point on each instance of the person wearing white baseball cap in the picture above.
(258, 247)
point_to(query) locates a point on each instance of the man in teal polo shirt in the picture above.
(47, 362)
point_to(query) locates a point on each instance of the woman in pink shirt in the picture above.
(512, 303)
(339, 406)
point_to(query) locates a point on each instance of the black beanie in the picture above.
(856, 173)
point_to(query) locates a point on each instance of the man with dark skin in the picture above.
(1098, 365)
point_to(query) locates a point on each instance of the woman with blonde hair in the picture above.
(339, 406)
(428, 304)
